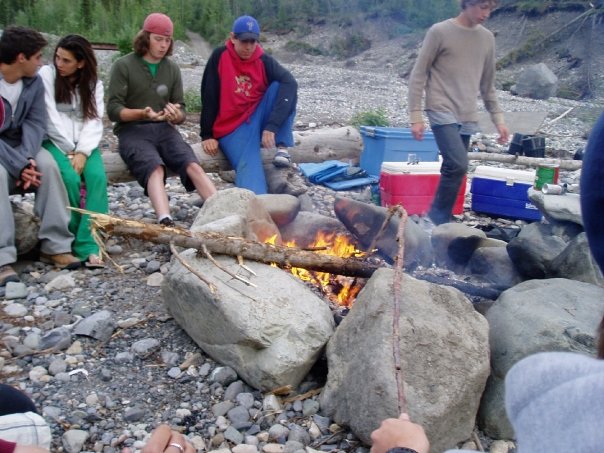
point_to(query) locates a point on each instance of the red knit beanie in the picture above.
(158, 23)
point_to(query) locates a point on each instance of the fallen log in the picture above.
(524, 160)
(285, 257)
(317, 145)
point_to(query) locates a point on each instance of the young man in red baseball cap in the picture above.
(145, 100)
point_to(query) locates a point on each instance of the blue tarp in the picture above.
(336, 175)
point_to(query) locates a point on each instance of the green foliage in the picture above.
(119, 20)
(192, 101)
(302, 47)
(349, 45)
(375, 117)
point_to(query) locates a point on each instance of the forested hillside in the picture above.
(118, 20)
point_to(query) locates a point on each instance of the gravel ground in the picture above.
(117, 389)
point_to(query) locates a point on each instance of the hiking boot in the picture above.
(282, 158)
(167, 222)
(61, 260)
(8, 274)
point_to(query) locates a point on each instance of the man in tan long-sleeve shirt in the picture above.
(456, 63)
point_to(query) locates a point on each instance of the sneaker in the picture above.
(167, 222)
(61, 260)
(8, 274)
(282, 158)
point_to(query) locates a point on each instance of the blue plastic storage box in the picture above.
(394, 144)
(503, 192)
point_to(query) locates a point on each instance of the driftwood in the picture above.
(318, 145)
(527, 161)
(234, 246)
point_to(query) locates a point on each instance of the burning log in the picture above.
(285, 257)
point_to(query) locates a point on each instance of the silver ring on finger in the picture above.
(175, 445)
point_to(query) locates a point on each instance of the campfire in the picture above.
(339, 289)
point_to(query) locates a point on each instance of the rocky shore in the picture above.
(101, 393)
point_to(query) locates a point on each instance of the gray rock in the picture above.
(222, 408)
(257, 221)
(537, 82)
(234, 389)
(15, 290)
(57, 366)
(144, 348)
(73, 440)
(134, 414)
(298, 434)
(99, 326)
(310, 407)
(365, 220)
(535, 316)
(282, 208)
(454, 244)
(443, 343)
(269, 338)
(565, 207)
(15, 310)
(238, 415)
(245, 400)
(278, 433)
(124, 357)
(32, 340)
(495, 266)
(577, 263)
(234, 436)
(534, 249)
(59, 339)
(224, 375)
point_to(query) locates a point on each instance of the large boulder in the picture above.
(268, 336)
(536, 316)
(239, 209)
(444, 357)
(537, 82)
(577, 263)
(365, 221)
(565, 207)
(534, 249)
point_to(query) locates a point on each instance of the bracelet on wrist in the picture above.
(401, 450)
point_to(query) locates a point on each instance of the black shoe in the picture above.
(167, 222)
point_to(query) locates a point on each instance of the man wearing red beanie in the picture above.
(145, 100)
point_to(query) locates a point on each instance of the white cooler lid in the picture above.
(505, 174)
(404, 168)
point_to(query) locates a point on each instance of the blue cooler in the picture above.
(394, 144)
(503, 192)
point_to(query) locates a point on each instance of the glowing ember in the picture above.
(337, 288)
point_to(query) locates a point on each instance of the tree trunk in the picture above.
(315, 145)
(226, 245)
(527, 161)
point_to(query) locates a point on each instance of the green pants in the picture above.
(95, 179)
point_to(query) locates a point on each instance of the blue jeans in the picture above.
(454, 149)
(242, 146)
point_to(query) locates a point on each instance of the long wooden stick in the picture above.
(233, 246)
(396, 312)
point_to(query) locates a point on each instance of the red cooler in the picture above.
(413, 186)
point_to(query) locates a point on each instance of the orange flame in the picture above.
(337, 288)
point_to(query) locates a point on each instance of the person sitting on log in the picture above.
(248, 100)
(145, 100)
(24, 164)
(74, 103)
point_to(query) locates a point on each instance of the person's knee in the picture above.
(71, 179)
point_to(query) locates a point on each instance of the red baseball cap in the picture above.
(158, 23)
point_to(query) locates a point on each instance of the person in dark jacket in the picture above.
(248, 100)
(24, 164)
(146, 101)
